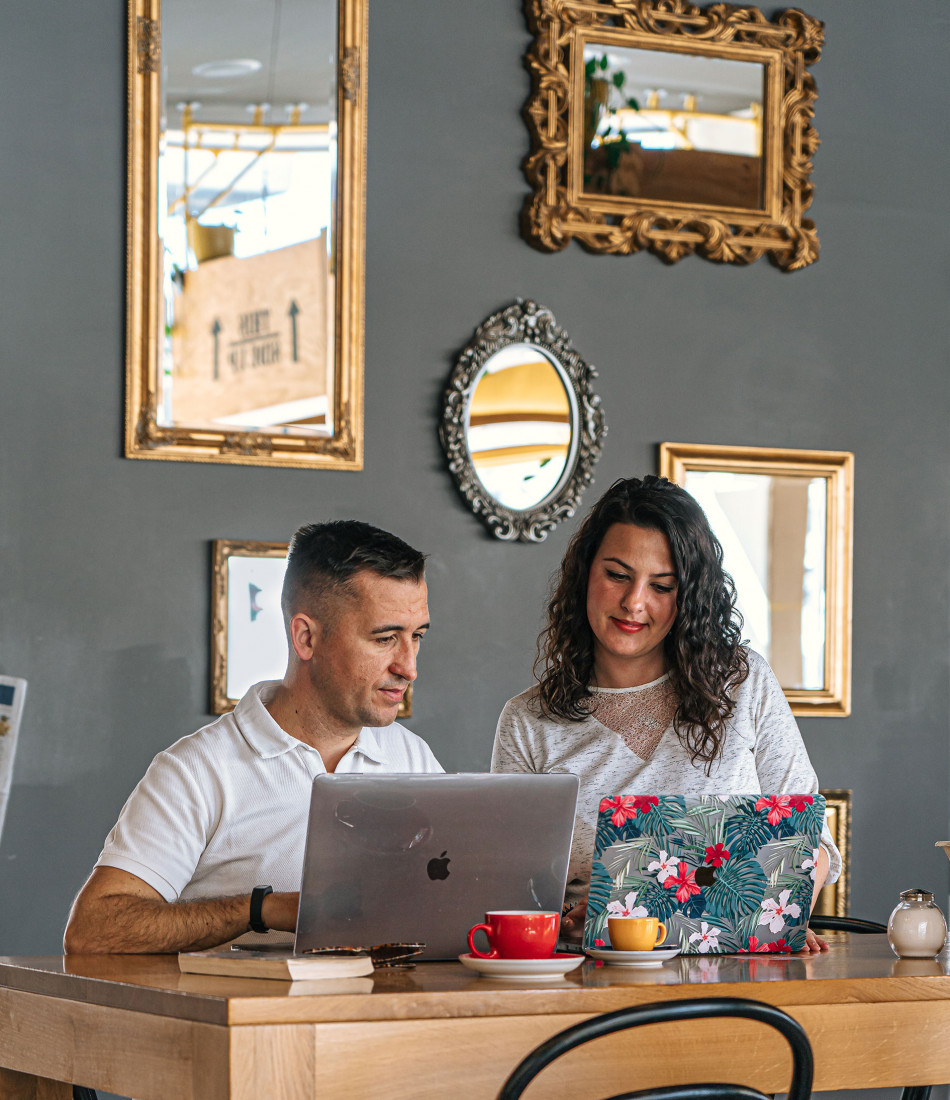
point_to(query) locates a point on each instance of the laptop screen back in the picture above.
(422, 857)
(723, 874)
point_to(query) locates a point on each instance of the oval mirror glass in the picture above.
(520, 426)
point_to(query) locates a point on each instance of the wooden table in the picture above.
(135, 1026)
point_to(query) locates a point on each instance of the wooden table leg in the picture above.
(24, 1086)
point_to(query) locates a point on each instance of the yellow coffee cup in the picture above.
(635, 933)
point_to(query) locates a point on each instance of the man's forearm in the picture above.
(126, 924)
(118, 912)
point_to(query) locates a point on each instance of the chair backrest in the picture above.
(668, 1012)
(844, 924)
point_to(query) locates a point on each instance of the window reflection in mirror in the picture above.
(673, 127)
(246, 185)
(519, 426)
(773, 532)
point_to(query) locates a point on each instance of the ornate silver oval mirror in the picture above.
(521, 426)
(245, 251)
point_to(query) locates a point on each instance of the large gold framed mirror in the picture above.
(662, 125)
(784, 518)
(246, 182)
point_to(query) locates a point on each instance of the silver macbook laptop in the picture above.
(421, 858)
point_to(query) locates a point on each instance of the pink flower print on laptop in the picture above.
(777, 910)
(627, 908)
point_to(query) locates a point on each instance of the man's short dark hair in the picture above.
(324, 557)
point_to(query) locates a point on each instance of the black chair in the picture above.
(821, 923)
(80, 1092)
(666, 1012)
(863, 928)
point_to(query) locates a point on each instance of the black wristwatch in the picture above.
(258, 894)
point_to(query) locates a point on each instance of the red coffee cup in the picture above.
(517, 934)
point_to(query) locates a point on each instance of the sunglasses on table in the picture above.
(384, 955)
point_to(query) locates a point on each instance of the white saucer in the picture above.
(657, 957)
(531, 969)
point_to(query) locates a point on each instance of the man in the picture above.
(224, 810)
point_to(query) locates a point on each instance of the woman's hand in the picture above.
(813, 944)
(572, 923)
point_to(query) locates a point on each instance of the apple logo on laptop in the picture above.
(705, 876)
(438, 867)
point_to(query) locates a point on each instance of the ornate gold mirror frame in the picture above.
(576, 39)
(248, 643)
(150, 432)
(796, 552)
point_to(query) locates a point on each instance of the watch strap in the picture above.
(256, 923)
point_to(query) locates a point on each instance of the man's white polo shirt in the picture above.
(225, 809)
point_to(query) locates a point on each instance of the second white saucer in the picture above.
(656, 957)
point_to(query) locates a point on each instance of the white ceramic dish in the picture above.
(657, 957)
(524, 969)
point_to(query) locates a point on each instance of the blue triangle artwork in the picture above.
(254, 592)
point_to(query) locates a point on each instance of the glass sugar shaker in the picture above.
(916, 929)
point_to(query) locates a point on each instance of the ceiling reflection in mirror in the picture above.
(519, 430)
(773, 532)
(672, 127)
(248, 158)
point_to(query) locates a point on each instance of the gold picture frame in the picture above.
(148, 435)
(558, 114)
(834, 900)
(827, 644)
(248, 643)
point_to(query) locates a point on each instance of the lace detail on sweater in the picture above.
(639, 715)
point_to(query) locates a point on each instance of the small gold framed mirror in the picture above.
(246, 166)
(659, 124)
(248, 640)
(784, 519)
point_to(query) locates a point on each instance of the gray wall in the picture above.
(105, 562)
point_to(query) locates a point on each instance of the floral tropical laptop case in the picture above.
(724, 874)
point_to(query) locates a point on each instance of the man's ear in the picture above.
(305, 635)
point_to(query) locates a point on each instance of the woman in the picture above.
(643, 683)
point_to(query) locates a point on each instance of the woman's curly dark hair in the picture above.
(704, 646)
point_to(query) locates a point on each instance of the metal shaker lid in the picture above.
(916, 894)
